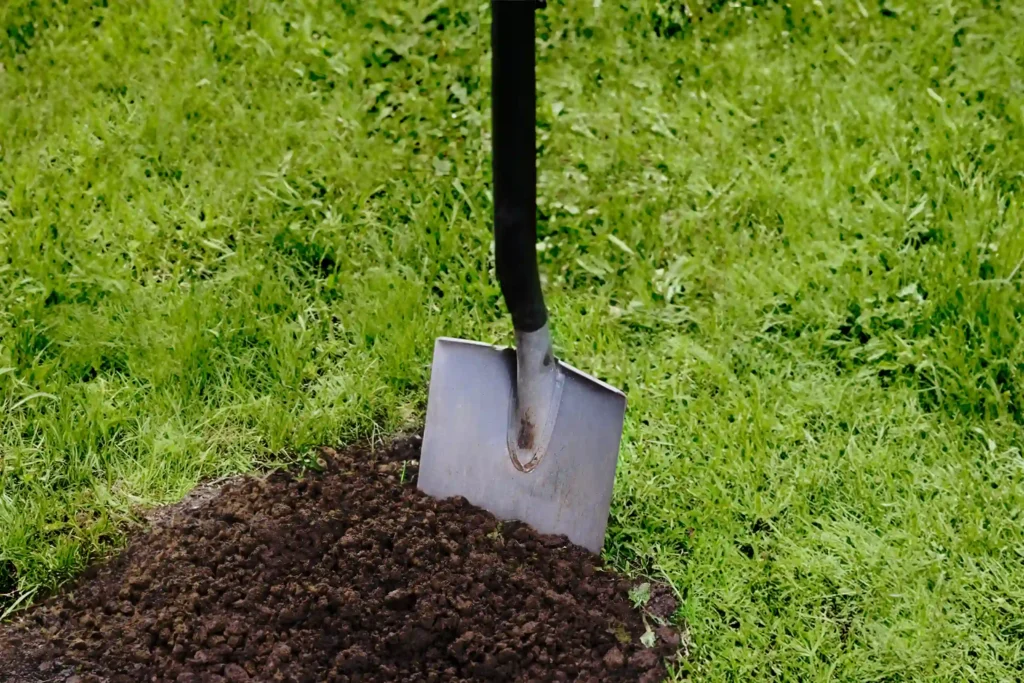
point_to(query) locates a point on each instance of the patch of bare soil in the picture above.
(348, 574)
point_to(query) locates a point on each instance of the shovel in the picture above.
(517, 432)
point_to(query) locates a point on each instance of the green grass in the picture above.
(230, 231)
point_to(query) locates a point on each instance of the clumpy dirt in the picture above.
(347, 574)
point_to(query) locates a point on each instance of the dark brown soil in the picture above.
(349, 574)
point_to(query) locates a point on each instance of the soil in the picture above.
(344, 574)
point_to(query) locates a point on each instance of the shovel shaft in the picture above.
(514, 166)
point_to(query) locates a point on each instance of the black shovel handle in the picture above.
(514, 160)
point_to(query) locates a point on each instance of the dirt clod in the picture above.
(668, 635)
(614, 659)
(348, 574)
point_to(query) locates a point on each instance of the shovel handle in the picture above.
(514, 160)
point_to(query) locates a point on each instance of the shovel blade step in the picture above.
(465, 444)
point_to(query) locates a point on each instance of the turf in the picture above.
(230, 231)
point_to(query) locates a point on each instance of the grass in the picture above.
(229, 232)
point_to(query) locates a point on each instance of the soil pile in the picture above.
(347, 574)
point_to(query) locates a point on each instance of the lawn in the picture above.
(229, 232)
